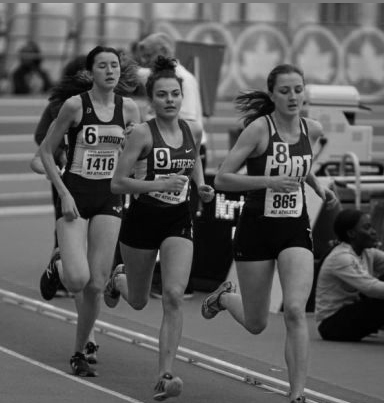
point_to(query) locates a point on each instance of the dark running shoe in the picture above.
(300, 399)
(80, 366)
(50, 280)
(167, 386)
(90, 352)
(111, 295)
(211, 305)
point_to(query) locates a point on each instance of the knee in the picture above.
(256, 327)
(172, 298)
(294, 314)
(76, 283)
(95, 286)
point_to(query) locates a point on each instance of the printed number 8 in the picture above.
(281, 155)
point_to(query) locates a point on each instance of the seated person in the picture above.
(350, 286)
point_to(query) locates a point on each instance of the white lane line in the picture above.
(16, 157)
(19, 119)
(187, 355)
(16, 138)
(68, 376)
(22, 176)
(18, 211)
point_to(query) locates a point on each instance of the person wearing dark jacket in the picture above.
(29, 77)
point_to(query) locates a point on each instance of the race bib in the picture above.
(171, 197)
(279, 204)
(99, 164)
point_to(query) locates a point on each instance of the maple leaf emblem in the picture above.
(260, 60)
(367, 65)
(316, 63)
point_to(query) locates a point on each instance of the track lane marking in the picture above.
(68, 376)
(210, 363)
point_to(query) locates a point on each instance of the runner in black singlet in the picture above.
(274, 225)
(163, 156)
(88, 214)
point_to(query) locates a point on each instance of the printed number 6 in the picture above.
(90, 135)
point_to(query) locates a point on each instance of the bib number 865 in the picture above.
(284, 201)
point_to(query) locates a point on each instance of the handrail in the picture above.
(356, 165)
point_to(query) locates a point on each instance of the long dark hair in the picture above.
(163, 67)
(254, 104)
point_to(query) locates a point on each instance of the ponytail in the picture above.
(254, 104)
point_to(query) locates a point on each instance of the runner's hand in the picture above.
(206, 193)
(284, 184)
(68, 208)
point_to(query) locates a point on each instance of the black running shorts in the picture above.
(91, 197)
(263, 238)
(145, 226)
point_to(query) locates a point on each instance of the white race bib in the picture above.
(170, 197)
(99, 164)
(278, 204)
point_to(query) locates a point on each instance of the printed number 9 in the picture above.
(161, 159)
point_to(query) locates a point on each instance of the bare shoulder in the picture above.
(72, 104)
(129, 103)
(315, 128)
(131, 110)
(256, 130)
(142, 132)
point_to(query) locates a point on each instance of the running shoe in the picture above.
(211, 305)
(50, 280)
(111, 295)
(300, 399)
(80, 366)
(90, 352)
(167, 386)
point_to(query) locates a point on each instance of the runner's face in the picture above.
(167, 98)
(106, 70)
(288, 93)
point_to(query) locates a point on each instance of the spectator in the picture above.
(350, 286)
(29, 77)
(5, 79)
